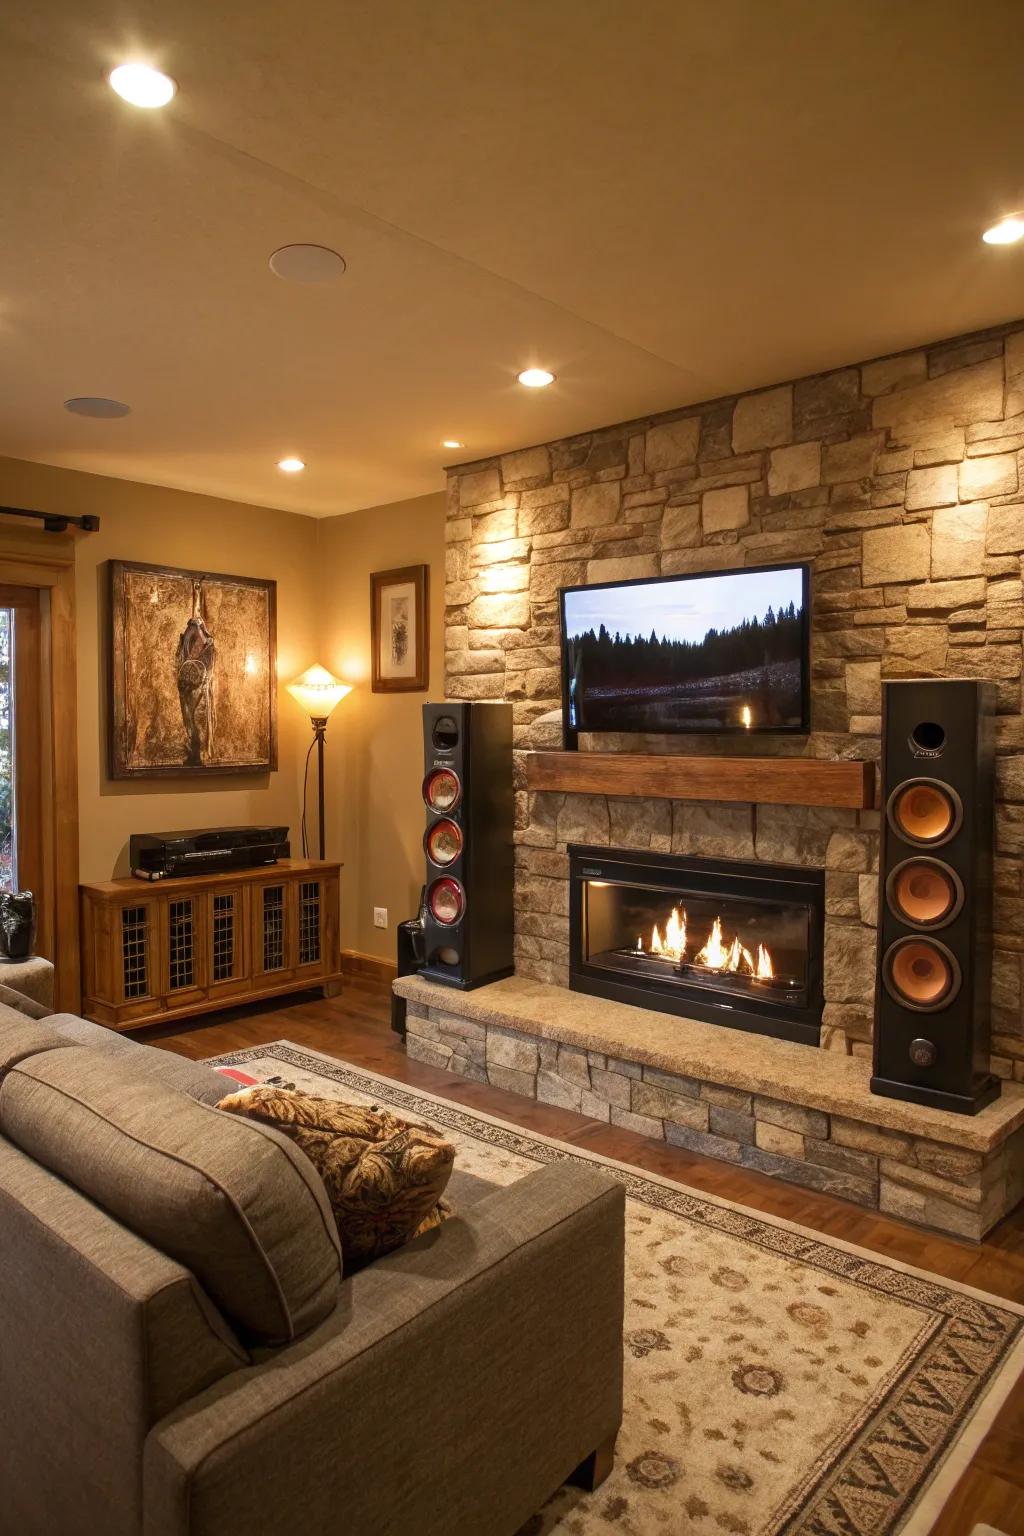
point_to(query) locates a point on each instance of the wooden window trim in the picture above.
(46, 563)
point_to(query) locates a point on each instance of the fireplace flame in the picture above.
(745, 717)
(673, 946)
(716, 955)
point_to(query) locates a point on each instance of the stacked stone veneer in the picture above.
(928, 1182)
(903, 480)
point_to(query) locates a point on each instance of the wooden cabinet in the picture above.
(161, 951)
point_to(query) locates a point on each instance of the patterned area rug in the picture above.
(778, 1383)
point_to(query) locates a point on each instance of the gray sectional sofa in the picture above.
(180, 1354)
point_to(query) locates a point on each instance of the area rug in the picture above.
(777, 1383)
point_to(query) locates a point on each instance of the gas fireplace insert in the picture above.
(733, 942)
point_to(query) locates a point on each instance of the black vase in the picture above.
(17, 926)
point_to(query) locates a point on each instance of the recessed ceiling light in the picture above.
(452, 442)
(307, 264)
(536, 378)
(141, 85)
(96, 405)
(1006, 232)
(291, 466)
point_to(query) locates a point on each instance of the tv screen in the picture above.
(722, 651)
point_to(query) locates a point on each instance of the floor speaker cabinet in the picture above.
(934, 980)
(467, 792)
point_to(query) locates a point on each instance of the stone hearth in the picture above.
(901, 479)
(802, 1116)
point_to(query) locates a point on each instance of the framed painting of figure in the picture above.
(398, 630)
(193, 673)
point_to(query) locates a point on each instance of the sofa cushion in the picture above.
(22, 1003)
(237, 1205)
(384, 1176)
(191, 1077)
(21, 1037)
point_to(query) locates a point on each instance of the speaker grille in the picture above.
(446, 900)
(925, 811)
(921, 974)
(924, 892)
(443, 841)
(442, 790)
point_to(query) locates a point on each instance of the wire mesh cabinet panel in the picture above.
(182, 921)
(189, 945)
(228, 963)
(273, 930)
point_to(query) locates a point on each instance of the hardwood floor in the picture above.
(354, 1027)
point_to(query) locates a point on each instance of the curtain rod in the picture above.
(55, 522)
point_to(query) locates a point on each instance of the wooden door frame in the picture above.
(46, 562)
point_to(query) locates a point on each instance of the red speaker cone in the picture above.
(921, 974)
(442, 790)
(446, 900)
(925, 811)
(925, 892)
(443, 841)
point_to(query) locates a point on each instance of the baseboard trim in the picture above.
(354, 963)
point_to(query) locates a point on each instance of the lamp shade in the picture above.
(318, 691)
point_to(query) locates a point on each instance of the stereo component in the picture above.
(467, 844)
(932, 1026)
(209, 851)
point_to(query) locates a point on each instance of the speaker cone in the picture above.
(446, 900)
(924, 892)
(925, 811)
(921, 974)
(443, 841)
(442, 790)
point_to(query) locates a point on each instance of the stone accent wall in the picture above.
(903, 479)
(931, 1183)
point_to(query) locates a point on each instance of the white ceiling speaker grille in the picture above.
(307, 264)
(96, 406)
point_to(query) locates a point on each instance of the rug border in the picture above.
(928, 1506)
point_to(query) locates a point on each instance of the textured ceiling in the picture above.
(661, 200)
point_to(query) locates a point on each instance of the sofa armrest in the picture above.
(459, 1383)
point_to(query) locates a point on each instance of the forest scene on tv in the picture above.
(710, 653)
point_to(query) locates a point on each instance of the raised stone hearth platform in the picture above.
(805, 1116)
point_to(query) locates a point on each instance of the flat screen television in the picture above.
(718, 651)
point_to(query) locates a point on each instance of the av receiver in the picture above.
(208, 851)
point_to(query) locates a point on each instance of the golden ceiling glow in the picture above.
(142, 86)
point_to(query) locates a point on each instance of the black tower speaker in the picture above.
(935, 896)
(467, 791)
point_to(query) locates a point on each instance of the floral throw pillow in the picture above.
(385, 1178)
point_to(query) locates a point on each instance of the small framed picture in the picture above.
(398, 626)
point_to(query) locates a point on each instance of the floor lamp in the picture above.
(319, 692)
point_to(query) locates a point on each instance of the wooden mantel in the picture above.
(765, 780)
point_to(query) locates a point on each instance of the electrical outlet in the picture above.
(380, 917)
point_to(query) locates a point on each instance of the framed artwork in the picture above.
(398, 628)
(193, 673)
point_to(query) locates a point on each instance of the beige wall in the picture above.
(374, 744)
(140, 522)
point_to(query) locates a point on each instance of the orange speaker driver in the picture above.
(921, 974)
(924, 892)
(925, 811)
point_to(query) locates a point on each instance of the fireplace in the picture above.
(732, 942)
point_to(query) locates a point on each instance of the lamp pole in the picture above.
(319, 723)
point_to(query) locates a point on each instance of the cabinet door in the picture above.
(310, 917)
(273, 931)
(183, 921)
(227, 941)
(137, 949)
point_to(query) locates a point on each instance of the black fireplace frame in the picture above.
(676, 873)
